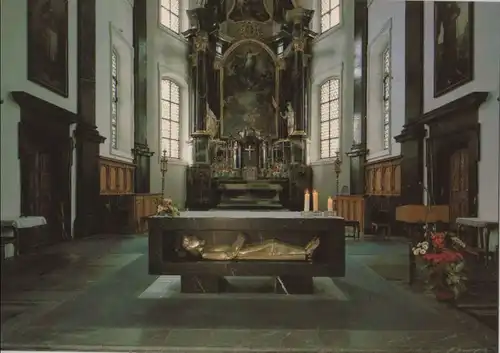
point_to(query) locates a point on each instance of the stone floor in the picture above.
(95, 294)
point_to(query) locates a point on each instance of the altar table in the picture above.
(218, 228)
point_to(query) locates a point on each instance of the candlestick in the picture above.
(315, 201)
(330, 204)
(307, 201)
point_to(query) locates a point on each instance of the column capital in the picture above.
(299, 16)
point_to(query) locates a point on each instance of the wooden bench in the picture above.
(10, 230)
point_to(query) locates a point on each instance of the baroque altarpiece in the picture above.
(249, 72)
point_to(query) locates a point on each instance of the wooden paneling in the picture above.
(116, 177)
(124, 214)
(383, 178)
(352, 208)
(144, 205)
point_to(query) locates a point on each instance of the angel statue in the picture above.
(289, 116)
(212, 123)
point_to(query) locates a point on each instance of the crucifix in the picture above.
(249, 149)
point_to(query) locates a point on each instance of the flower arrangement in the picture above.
(277, 170)
(166, 208)
(443, 254)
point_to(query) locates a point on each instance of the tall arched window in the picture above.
(386, 89)
(169, 14)
(114, 99)
(330, 14)
(330, 118)
(170, 107)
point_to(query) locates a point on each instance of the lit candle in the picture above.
(315, 201)
(307, 201)
(330, 204)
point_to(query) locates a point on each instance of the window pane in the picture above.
(325, 6)
(325, 22)
(165, 3)
(174, 23)
(174, 92)
(324, 150)
(334, 109)
(165, 109)
(174, 112)
(175, 131)
(174, 149)
(165, 146)
(325, 90)
(334, 89)
(334, 3)
(166, 128)
(165, 89)
(335, 17)
(325, 130)
(113, 109)
(174, 7)
(325, 112)
(334, 128)
(114, 60)
(334, 146)
(387, 106)
(165, 17)
(387, 61)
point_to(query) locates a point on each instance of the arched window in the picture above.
(114, 99)
(386, 89)
(330, 14)
(169, 14)
(330, 118)
(169, 111)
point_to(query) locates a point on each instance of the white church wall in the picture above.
(486, 79)
(386, 28)
(114, 31)
(332, 58)
(167, 52)
(14, 78)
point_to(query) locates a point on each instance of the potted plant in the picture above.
(166, 208)
(443, 256)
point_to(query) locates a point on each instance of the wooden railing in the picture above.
(352, 208)
(116, 177)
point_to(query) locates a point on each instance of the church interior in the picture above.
(250, 175)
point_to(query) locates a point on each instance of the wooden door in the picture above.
(459, 185)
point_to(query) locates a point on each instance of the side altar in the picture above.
(250, 66)
(205, 247)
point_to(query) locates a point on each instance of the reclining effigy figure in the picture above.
(271, 249)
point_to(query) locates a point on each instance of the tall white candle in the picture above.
(307, 201)
(315, 201)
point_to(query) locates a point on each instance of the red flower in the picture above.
(443, 257)
(438, 240)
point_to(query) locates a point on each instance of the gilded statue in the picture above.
(289, 116)
(271, 249)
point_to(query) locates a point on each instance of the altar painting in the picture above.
(248, 90)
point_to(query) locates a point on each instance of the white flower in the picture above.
(416, 251)
(423, 251)
(425, 245)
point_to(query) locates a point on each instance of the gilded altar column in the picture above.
(198, 39)
(299, 18)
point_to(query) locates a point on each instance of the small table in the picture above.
(484, 228)
(15, 225)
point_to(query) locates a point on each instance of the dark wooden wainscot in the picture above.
(123, 211)
(167, 257)
(383, 190)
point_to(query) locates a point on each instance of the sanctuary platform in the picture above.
(204, 247)
(94, 295)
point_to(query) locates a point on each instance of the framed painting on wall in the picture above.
(48, 44)
(453, 45)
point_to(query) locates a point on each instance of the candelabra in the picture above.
(163, 169)
(338, 170)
